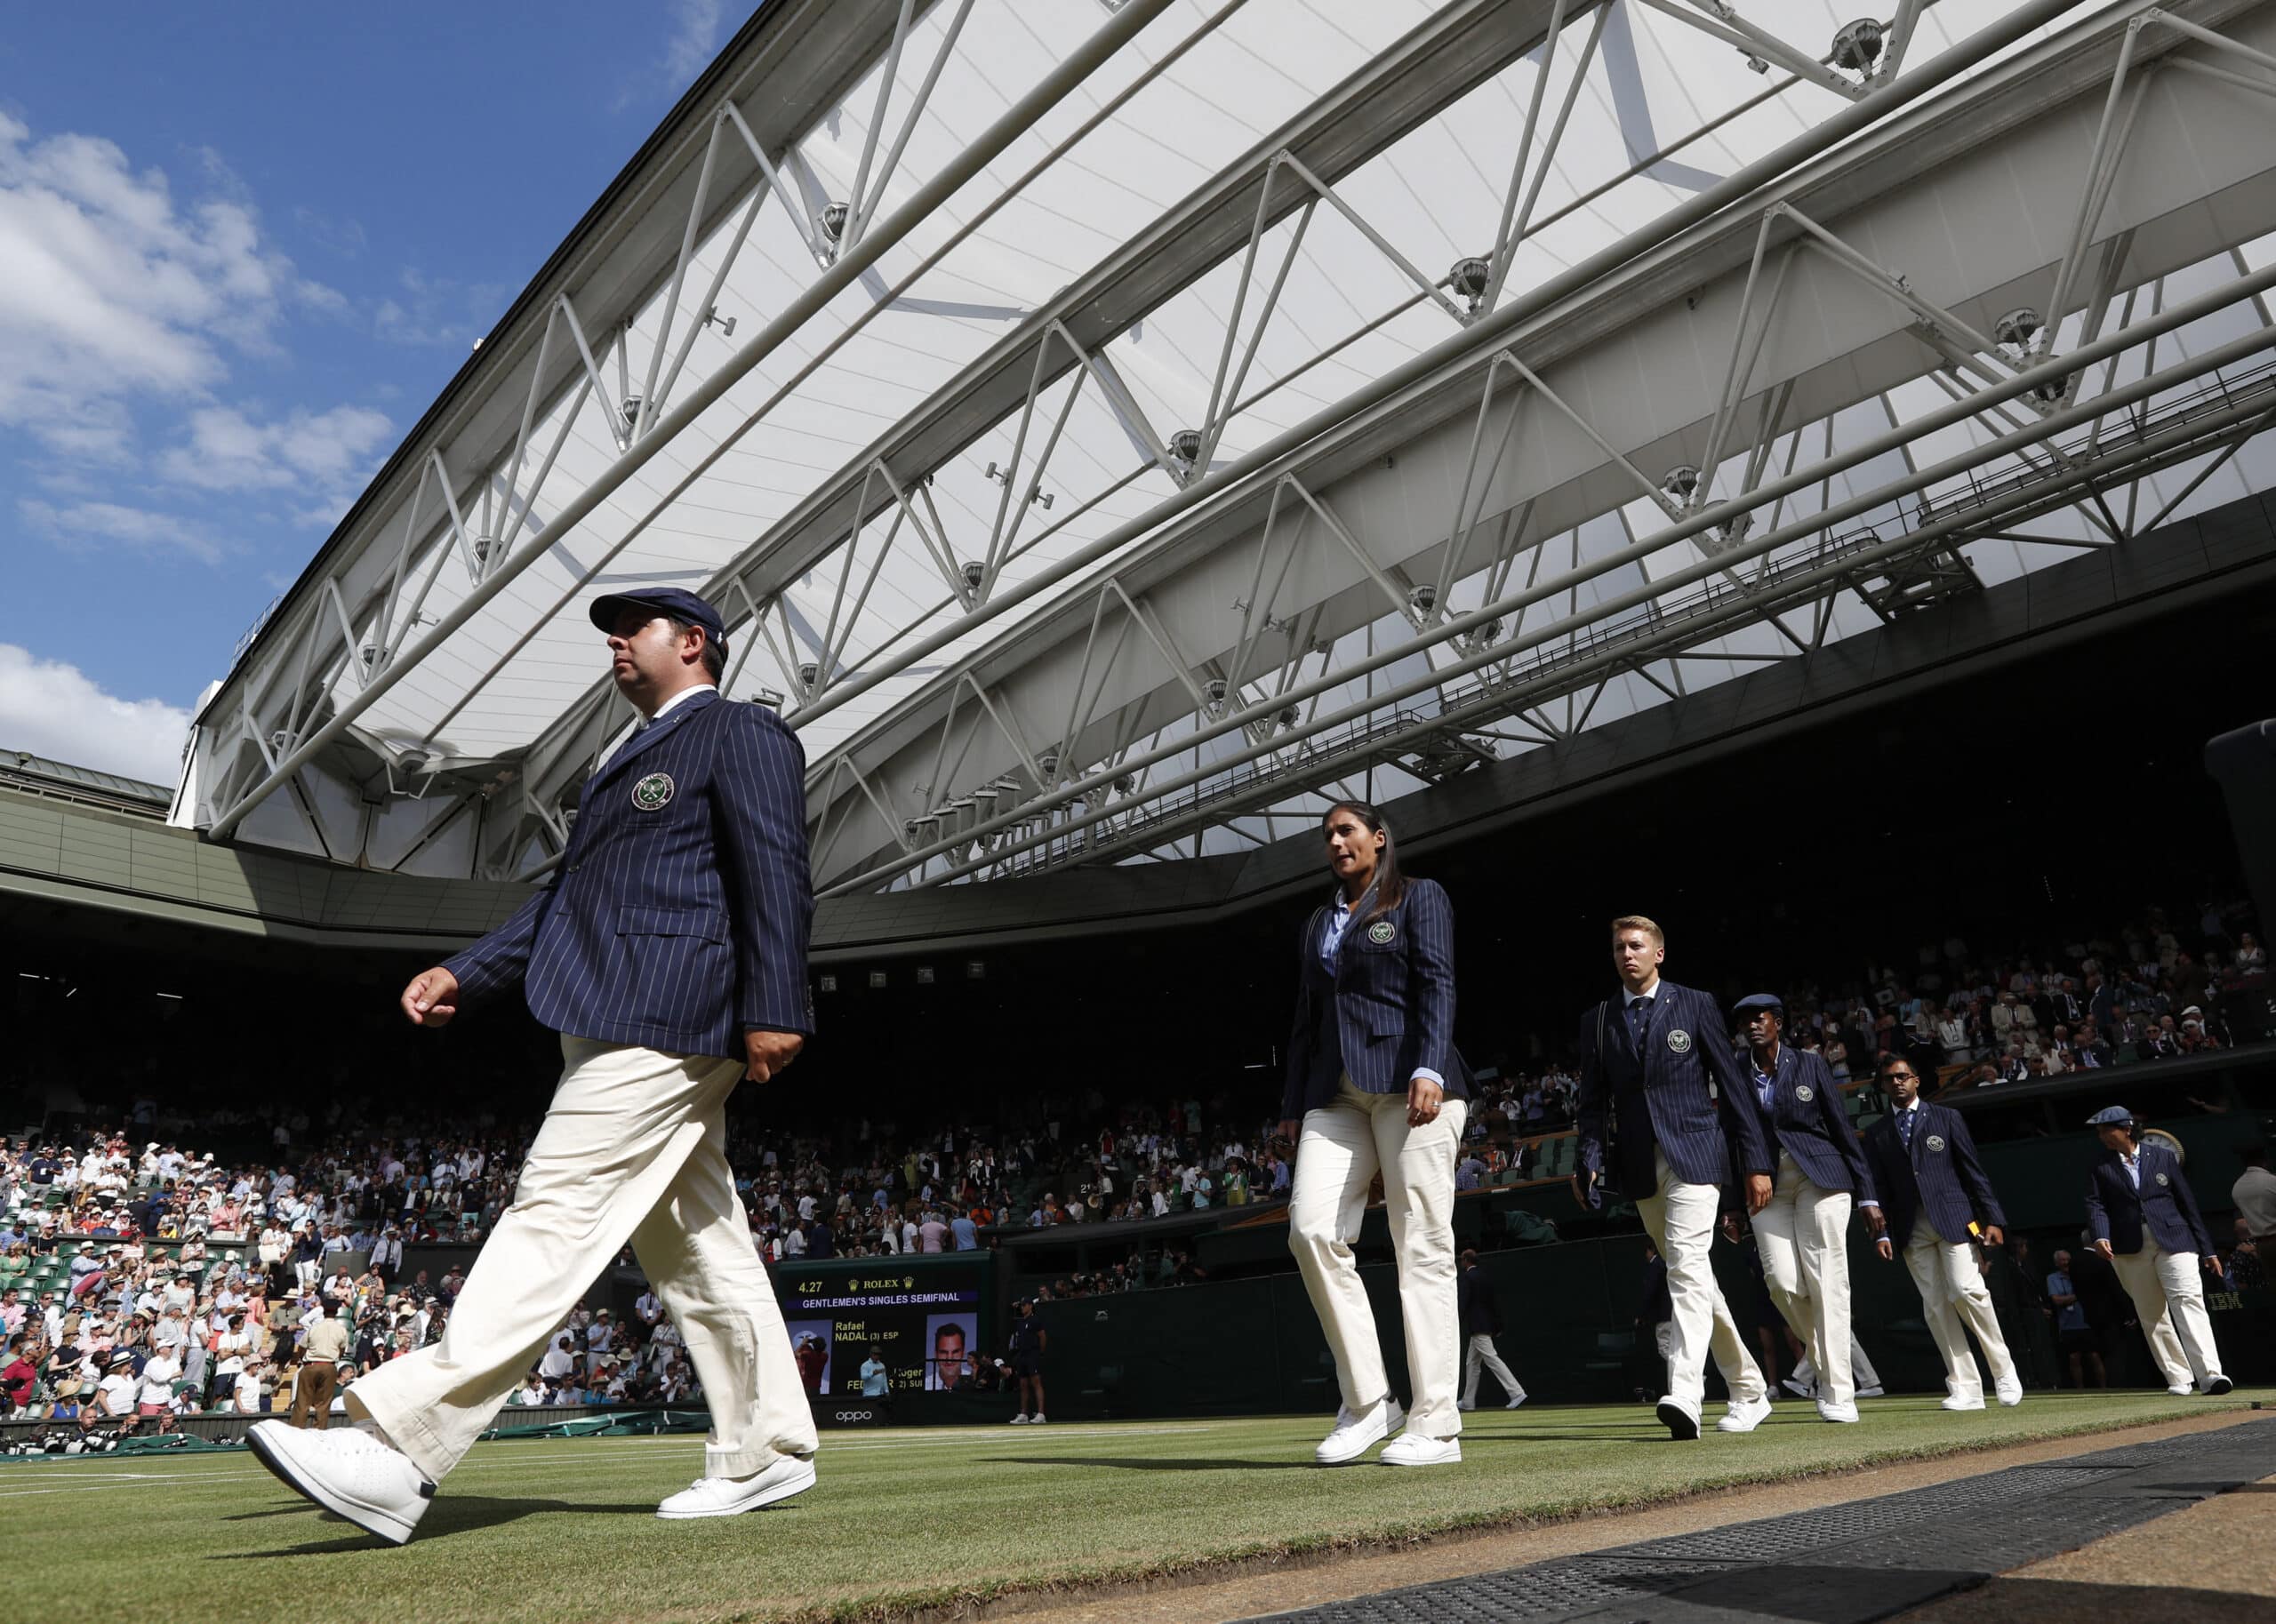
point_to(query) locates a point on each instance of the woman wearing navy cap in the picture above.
(1375, 1079)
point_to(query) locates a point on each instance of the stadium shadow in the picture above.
(1144, 1464)
(451, 1514)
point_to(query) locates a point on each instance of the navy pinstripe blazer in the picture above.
(677, 917)
(1815, 1131)
(1387, 1012)
(2165, 1206)
(1941, 1179)
(1632, 1103)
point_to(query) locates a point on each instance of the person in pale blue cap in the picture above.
(2144, 1217)
(1820, 1174)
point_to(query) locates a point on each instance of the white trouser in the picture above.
(1480, 1354)
(1680, 1219)
(1803, 1236)
(2159, 1281)
(1954, 1301)
(633, 1147)
(1344, 1144)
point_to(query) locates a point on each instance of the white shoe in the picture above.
(727, 1496)
(1355, 1435)
(1515, 1401)
(349, 1472)
(1017, 1420)
(1955, 1402)
(1680, 1417)
(1413, 1448)
(2182, 1390)
(1874, 1392)
(1828, 1411)
(2008, 1393)
(1744, 1415)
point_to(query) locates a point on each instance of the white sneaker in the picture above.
(348, 1472)
(1355, 1435)
(1680, 1417)
(727, 1496)
(1744, 1415)
(1828, 1411)
(1871, 1392)
(1515, 1401)
(1955, 1402)
(1017, 1420)
(1413, 1448)
(2008, 1393)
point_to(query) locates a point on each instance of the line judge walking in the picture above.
(669, 952)
(1374, 1076)
(1803, 1230)
(2144, 1221)
(1663, 1117)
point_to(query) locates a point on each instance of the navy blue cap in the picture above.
(2112, 1117)
(676, 601)
(1759, 1001)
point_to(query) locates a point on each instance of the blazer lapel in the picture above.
(647, 739)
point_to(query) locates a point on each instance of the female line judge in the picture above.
(1375, 1079)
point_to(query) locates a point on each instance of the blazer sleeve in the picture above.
(1300, 1032)
(1742, 1123)
(1973, 1179)
(2185, 1198)
(2098, 1217)
(1589, 1102)
(500, 959)
(1430, 974)
(1844, 1137)
(759, 819)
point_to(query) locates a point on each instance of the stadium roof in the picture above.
(1110, 427)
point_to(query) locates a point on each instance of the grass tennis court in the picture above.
(564, 1531)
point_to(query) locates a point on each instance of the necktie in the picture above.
(1638, 1012)
(1905, 1128)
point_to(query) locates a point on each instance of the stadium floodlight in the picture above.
(2018, 327)
(1857, 46)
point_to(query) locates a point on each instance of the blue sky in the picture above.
(242, 248)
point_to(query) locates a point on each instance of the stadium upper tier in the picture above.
(1109, 429)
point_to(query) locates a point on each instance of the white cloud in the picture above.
(117, 294)
(54, 710)
(82, 525)
(326, 454)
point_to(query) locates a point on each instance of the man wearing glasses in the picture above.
(1937, 1201)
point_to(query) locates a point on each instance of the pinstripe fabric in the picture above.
(675, 928)
(1388, 1010)
(1629, 1106)
(1944, 1183)
(1814, 1132)
(2165, 1207)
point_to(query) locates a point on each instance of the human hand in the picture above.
(765, 1053)
(1758, 1192)
(1424, 1097)
(432, 997)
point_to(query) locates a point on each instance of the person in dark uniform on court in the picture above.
(1803, 1231)
(669, 950)
(1938, 1202)
(1375, 1085)
(2144, 1221)
(1665, 1118)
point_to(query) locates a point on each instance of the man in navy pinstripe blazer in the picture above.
(669, 952)
(1662, 1115)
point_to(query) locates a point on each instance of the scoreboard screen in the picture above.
(919, 1318)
